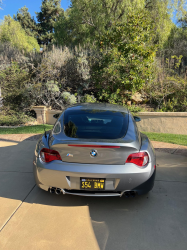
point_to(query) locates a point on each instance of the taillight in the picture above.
(140, 159)
(48, 155)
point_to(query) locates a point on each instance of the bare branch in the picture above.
(116, 6)
(121, 14)
(87, 22)
(148, 5)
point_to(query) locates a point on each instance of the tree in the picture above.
(85, 19)
(49, 14)
(27, 23)
(160, 12)
(127, 55)
(12, 32)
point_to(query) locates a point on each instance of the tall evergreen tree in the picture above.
(49, 14)
(27, 23)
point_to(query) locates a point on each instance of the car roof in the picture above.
(98, 106)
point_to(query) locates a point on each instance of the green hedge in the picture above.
(14, 119)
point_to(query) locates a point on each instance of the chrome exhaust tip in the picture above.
(132, 193)
(52, 190)
(127, 194)
(63, 191)
(58, 191)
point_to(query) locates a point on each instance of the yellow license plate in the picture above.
(92, 184)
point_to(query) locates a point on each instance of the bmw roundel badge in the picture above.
(93, 153)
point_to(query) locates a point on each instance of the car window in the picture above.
(57, 128)
(95, 124)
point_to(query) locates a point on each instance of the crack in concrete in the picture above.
(16, 209)
(175, 149)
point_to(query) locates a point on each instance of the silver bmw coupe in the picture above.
(95, 150)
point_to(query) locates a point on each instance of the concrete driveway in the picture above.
(34, 219)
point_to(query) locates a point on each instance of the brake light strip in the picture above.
(92, 146)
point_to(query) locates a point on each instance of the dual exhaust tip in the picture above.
(128, 194)
(54, 190)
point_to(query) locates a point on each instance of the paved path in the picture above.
(31, 218)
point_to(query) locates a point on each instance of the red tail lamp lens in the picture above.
(140, 159)
(48, 155)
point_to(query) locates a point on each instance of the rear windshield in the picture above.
(95, 124)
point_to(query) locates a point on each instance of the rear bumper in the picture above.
(140, 190)
(147, 185)
(119, 178)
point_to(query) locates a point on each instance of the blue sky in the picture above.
(11, 6)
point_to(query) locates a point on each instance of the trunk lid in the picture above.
(95, 153)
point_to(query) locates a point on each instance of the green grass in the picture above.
(37, 129)
(170, 138)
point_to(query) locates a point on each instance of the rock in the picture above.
(31, 123)
(137, 97)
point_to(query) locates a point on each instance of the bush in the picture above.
(68, 98)
(68, 67)
(88, 98)
(135, 109)
(16, 91)
(169, 95)
(14, 119)
(46, 93)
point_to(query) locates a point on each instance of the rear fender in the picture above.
(42, 143)
(45, 140)
(146, 145)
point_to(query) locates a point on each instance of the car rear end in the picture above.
(95, 152)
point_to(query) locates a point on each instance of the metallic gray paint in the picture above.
(109, 164)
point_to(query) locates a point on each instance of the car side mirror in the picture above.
(137, 119)
(56, 116)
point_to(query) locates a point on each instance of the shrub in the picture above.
(52, 87)
(71, 100)
(68, 67)
(65, 95)
(14, 119)
(15, 83)
(135, 109)
(46, 93)
(168, 94)
(68, 98)
(88, 98)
